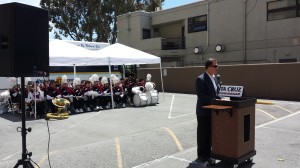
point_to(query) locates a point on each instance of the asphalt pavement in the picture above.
(153, 136)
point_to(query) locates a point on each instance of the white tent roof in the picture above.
(119, 54)
(62, 53)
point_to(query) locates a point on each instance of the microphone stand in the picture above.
(25, 161)
(219, 83)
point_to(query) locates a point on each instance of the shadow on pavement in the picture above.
(196, 164)
(15, 117)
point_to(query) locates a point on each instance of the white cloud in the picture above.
(28, 2)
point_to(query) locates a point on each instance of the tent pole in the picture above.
(162, 81)
(123, 71)
(74, 71)
(111, 90)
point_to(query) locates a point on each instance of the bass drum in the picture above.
(152, 96)
(140, 99)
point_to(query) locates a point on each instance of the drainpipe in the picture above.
(128, 26)
(207, 35)
(245, 31)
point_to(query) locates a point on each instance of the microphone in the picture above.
(219, 83)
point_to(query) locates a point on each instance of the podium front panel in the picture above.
(233, 131)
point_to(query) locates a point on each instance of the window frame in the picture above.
(295, 8)
(192, 24)
(144, 33)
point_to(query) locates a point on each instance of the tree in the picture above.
(91, 20)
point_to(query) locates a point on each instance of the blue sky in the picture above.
(173, 3)
(167, 4)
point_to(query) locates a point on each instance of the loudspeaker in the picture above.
(24, 41)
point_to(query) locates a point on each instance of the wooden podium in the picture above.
(233, 130)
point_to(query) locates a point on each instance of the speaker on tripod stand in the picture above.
(24, 52)
(24, 40)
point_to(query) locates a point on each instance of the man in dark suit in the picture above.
(207, 89)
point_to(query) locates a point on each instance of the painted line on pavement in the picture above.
(180, 159)
(119, 155)
(284, 130)
(151, 162)
(181, 115)
(171, 107)
(147, 164)
(283, 109)
(174, 138)
(279, 119)
(43, 159)
(268, 114)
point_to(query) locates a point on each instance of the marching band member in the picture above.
(149, 85)
(52, 92)
(119, 96)
(78, 96)
(141, 82)
(65, 91)
(88, 97)
(15, 92)
(41, 104)
(139, 88)
(97, 89)
(106, 92)
(82, 83)
(129, 83)
(44, 87)
(152, 94)
(28, 90)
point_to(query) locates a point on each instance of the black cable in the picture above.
(34, 163)
(48, 144)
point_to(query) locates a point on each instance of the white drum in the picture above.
(137, 89)
(148, 94)
(152, 96)
(140, 99)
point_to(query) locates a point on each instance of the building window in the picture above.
(283, 9)
(146, 33)
(197, 23)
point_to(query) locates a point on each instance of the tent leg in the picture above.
(111, 90)
(162, 81)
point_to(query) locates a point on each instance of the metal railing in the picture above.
(172, 43)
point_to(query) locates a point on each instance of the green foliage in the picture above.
(91, 20)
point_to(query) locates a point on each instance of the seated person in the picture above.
(78, 97)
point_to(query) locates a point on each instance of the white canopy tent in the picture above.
(119, 54)
(62, 53)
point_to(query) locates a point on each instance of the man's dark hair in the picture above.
(209, 62)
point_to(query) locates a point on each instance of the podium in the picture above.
(233, 130)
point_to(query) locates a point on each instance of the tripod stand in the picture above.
(25, 161)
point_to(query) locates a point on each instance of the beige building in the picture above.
(233, 31)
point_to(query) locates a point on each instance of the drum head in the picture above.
(136, 100)
(148, 94)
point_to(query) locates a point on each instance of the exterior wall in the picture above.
(228, 24)
(269, 81)
(130, 33)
